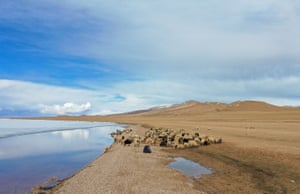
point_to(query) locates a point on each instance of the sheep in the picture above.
(136, 142)
(197, 140)
(193, 143)
(178, 139)
(164, 142)
(106, 149)
(149, 141)
(165, 137)
(218, 140)
(118, 132)
(187, 138)
(171, 138)
(179, 146)
(204, 142)
(128, 142)
(211, 139)
(203, 136)
(118, 139)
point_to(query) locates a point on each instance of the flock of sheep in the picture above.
(165, 137)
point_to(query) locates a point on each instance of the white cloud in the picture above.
(135, 95)
(205, 50)
(167, 38)
(29, 94)
(147, 37)
(43, 98)
(66, 108)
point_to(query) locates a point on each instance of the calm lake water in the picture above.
(34, 151)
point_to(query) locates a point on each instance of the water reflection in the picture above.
(14, 127)
(74, 134)
(54, 142)
(189, 167)
(28, 160)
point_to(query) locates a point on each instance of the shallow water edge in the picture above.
(27, 160)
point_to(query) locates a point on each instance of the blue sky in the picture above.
(101, 57)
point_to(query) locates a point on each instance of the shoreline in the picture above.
(57, 183)
(30, 159)
(259, 155)
(133, 166)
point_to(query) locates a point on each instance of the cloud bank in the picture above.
(135, 95)
(127, 55)
(66, 108)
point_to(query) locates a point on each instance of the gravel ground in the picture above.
(128, 170)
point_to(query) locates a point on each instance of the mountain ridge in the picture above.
(202, 107)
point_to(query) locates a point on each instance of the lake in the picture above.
(32, 151)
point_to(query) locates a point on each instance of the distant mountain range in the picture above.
(193, 106)
(185, 108)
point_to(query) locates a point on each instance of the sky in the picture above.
(103, 57)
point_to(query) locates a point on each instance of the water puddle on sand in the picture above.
(189, 168)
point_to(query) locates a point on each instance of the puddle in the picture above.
(189, 167)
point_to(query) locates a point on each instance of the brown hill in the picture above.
(201, 112)
(186, 107)
(195, 107)
(253, 106)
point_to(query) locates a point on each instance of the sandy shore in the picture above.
(126, 169)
